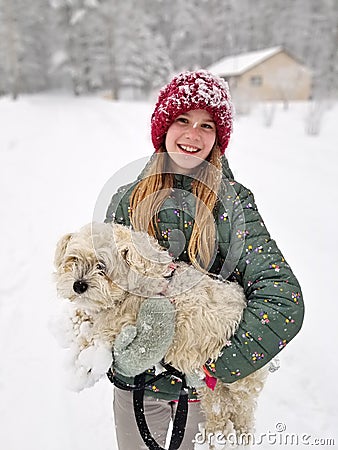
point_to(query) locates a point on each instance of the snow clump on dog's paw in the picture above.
(97, 358)
(85, 360)
(87, 367)
(72, 327)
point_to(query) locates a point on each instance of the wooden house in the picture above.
(272, 74)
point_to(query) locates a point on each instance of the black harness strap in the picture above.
(180, 416)
(131, 387)
(138, 388)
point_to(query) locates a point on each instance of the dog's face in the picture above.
(100, 264)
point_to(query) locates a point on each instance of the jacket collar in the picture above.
(227, 172)
(185, 181)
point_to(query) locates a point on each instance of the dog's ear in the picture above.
(61, 248)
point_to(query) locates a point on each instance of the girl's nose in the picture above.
(193, 131)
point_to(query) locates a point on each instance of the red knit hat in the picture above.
(188, 91)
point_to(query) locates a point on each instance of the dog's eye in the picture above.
(70, 263)
(72, 259)
(101, 267)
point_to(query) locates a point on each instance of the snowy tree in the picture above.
(230, 29)
(183, 33)
(24, 46)
(157, 57)
(109, 19)
(324, 57)
(217, 34)
(81, 33)
(36, 45)
(138, 55)
(62, 60)
(11, 48)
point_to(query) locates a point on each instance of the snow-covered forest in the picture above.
(89, 45)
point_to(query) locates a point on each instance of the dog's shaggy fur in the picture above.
(109, 270)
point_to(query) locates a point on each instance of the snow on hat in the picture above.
(193, 90)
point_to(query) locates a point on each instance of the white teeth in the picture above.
(186, 148)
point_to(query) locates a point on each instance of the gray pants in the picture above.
(158, 414)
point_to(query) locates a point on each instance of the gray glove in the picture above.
(137, 348)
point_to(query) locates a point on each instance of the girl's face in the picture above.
(190, 139)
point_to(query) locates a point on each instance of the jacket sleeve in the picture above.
(274, 311)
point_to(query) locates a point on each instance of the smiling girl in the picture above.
(188, 199)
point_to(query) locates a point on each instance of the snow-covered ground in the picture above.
(56, 154)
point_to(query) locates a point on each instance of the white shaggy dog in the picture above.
(108, 270)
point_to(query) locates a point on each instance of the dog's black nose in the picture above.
(80, 287)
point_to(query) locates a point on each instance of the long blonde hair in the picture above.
(156, 186)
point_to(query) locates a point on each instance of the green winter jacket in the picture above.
(246, 254)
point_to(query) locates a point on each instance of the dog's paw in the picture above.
(71, 327)
(96, 359)
(84, 368)
(80, 379)
(124, 338)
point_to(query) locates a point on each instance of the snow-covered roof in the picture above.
(238, 64)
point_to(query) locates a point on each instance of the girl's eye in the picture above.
(208, 126)
(182, 120)
(101, 267)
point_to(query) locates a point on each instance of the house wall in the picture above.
(283, 78)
